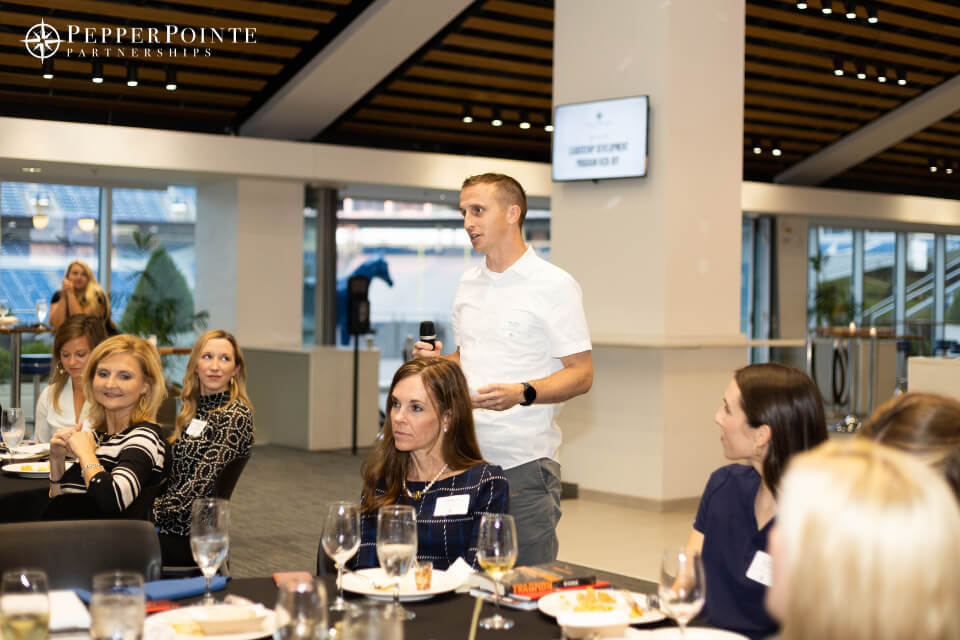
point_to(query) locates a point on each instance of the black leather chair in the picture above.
(71, 552)
(227, 480)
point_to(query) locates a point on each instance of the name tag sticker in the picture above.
(452, 505)
(196, 427)
(761, 569)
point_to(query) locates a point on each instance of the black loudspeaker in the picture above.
(358, 306)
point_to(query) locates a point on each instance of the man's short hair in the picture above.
(509, 191)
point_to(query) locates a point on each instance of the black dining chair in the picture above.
(227, 480)
(72, 551)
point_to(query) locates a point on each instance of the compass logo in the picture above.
(42, 40)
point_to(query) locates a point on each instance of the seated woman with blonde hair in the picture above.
(866, 547)
(214, 427)
(926, 425)
(429, 458)
(125, 452)
(80, 293)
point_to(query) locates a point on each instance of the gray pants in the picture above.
(535, 506)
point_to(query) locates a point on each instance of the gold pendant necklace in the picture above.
(416, 495)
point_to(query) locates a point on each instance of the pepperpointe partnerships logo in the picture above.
(170, 41)
(42, 41)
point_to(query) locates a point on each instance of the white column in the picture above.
(249, 239)
(663, 302)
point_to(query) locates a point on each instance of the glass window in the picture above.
(155, 227)
(831, 275)
(746, 275)
(879, 258)
(952, 289)
(920, 288)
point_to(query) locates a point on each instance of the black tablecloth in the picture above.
(447, 615)
(22, 499)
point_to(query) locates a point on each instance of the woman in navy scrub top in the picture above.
(769, 412)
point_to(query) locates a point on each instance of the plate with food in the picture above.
(8, 321)
(376, 584)
(610, 602)
(30, 469)
(220, 621)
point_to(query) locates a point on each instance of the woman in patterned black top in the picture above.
(214, 426)
(429, 458)
(124, 380)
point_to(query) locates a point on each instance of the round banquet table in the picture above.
(22, 499)
(448, 615)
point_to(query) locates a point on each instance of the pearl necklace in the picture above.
(416, 495)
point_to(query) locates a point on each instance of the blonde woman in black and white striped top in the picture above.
(127, 453)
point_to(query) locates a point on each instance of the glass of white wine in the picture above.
(397, 548)
(341, 540)
(209, 538)
(24, 607)
(12, 428)
(682, 588)
(496, 553)
(42, 312)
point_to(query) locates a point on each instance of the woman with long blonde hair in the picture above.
(866, 547)
(214, 427)
(63, 403)
(125, 452)
(80, 293)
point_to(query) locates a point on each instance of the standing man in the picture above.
(523, 343)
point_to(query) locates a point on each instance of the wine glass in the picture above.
(209, 538)
(4, 308)
(12, 428)
(341, 539)
(682, 586)
(24, 607)
(397, 547)
(41, 312)
(496, 553)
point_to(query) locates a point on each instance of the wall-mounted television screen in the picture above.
(601, 139)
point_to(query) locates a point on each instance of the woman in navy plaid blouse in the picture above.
(429, 458)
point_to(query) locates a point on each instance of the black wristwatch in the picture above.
(529, 394)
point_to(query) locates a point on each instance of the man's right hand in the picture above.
(426, 350)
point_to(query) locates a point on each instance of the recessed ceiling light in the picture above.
(31, 169)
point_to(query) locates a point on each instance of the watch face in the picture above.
(529, 393)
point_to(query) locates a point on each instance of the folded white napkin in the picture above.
(459, 570)
(67, 612)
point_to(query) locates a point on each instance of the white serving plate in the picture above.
(564, 601)
(160, 626)
(362, 582)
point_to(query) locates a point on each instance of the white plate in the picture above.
(693, 633)
(358, 582)
(159, 626)
(553, 603)
(40, 469)
(25, 452)
(8, 321)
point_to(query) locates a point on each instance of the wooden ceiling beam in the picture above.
(801, 121)
(369, 114)
(754, 128)
(812, 106)
(754, 50)
(483, 62)
(867, 87)
(947, 9)
(164, 16)
(465, 79)
(471, 95)
(901, 20)
(497, 46)
(382, 131)
(133, 105)
(508, 28)
(520, 10)
(788, 89)
(268, 9)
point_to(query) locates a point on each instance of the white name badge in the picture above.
(452, 505)
(761, 569)
(196, 427)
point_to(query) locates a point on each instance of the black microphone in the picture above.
(428, 333)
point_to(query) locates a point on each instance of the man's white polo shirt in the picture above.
(513, 327)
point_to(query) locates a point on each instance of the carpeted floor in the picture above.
(279, 505)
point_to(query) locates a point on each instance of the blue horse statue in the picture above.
(372, 268)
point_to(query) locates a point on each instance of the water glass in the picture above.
(682, 589)
(496, 553)
(117, 605)
(12, 427)
(24, 607)
(4, 308)
(301, 610)
(341, 540)
(397, 547)
(42, 312)
(209, 538)
(371, 621)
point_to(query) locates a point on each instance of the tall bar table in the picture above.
(16, 337)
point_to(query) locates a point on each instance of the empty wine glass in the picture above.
(397, 547)
(4, 308)
(682, 587)
(41, 312)
(24, 606)
(341, 539)
(12, 428)
(209, 538)
(496, 553)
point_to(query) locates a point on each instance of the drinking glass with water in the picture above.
(301, 610)
(397, 547)
(12, 427)
(117, 605)
(24, 607)
(209, 538)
